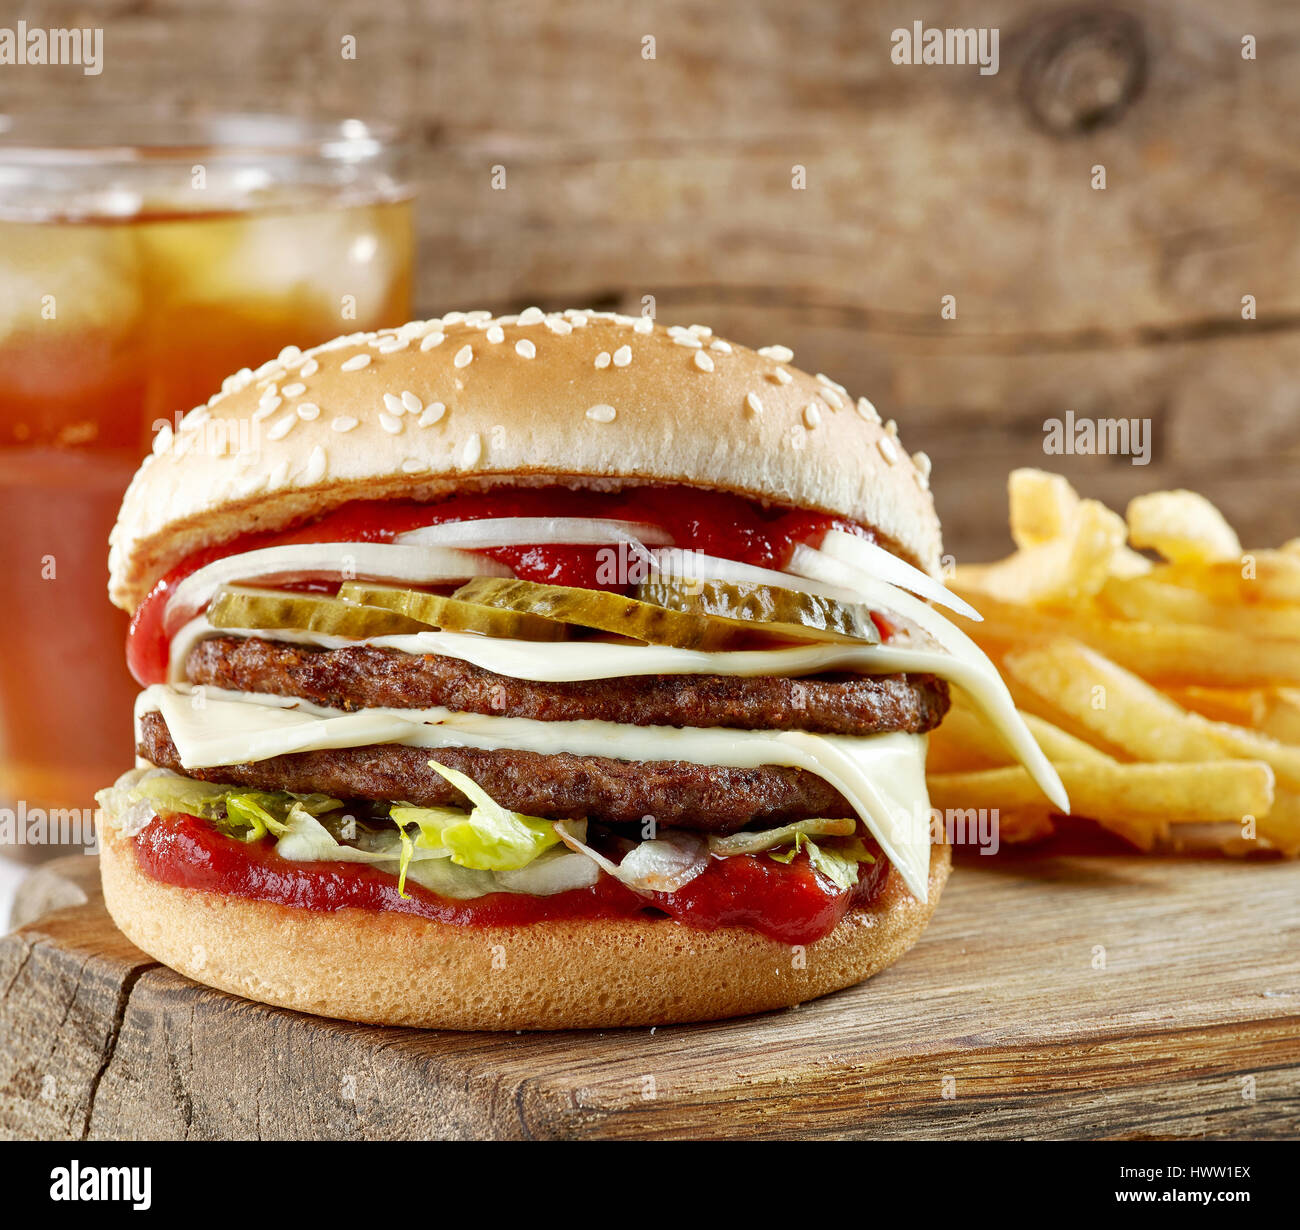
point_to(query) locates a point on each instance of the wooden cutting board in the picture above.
(1062, 997)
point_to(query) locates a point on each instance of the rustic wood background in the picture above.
(672, 177)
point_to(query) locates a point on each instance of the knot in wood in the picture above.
(1084, 69)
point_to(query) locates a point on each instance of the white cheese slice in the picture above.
(882, 776)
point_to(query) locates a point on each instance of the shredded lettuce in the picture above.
(754, 841)
(489, 838)
(245, 815)
(838, 863)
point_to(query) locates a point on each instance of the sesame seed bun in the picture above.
(468, 402)
(397, 969)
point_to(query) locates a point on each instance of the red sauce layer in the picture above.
(787, 902)
(712, 522)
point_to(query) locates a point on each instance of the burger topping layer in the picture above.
(570, 701)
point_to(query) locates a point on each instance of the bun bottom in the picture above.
(398, 969)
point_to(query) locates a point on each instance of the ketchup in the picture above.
(715, 523)
(791, 902)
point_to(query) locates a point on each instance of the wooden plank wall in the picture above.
(673, 177)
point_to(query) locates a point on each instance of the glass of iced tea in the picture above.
(140, 265)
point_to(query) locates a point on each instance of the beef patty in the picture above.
(362, 676)
(676, 793)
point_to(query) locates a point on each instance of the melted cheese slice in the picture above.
(882, 776)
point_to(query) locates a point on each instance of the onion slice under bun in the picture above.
(534, 531)
(876, 562)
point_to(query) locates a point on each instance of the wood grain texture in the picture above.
(1192, 1029)
(672, 178)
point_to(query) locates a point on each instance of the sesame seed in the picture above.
(464, 356)
(752, 401)
(496, 334)
(279, 474)
(390, 424)
(411, 403)
(782, 354)
(557, 324)
(265, 410)
(702, 361)
(644, 324)
(781, 376)
(602, 359)
(601, 413)
(922, 463)
(288, 354)
(887, 449)
(623, 356)
(701, 330)
(309, 368)
(531, 316)
(393, 404)
(430, 340)
(294, 390)
(868, 411)
(431, 415)
(832, 398)
(344, 423)
(355, 363)
(811, 415)
(472, 452)
(720, 346)
(525, 349)
(687, 339)
(314, 471)
(308, 410)
(891, 429)
(413, 465)
(280, 428)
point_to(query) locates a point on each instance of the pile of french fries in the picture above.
(1156, 662)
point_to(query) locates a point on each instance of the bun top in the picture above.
(470, 401)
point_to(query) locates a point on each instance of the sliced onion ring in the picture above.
(661, 865)
(875, 561)
(696, 566)
(359, 561)
(534, 531)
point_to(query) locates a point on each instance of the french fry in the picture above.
(1042, 506)
(1149, 600)
(1021, 825)
(1182, 526)
(1065, 569)
(1132, 793)
(1240, 706)
(1126, 713)
(1177, 654)
(1258, 576)
(1280, 825)
(1274, 712)
(966, 741)
(1281, 719)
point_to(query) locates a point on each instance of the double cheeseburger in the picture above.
(533, 672)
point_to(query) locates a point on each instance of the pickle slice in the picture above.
(765, 609)
(595, 608)
(453, 614)
(238, 606)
